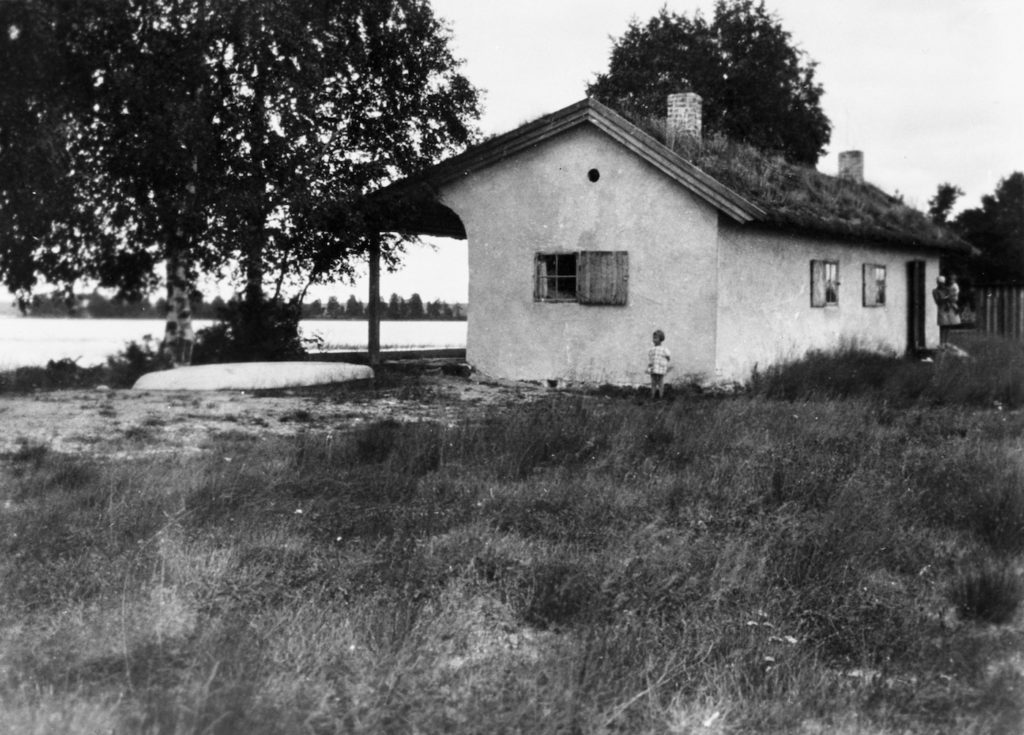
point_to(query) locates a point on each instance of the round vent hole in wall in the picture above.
(593, 174)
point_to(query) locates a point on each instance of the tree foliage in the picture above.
(996, 229)
(940, 205)
(235, 136)
(755, 84)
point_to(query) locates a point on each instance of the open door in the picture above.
(916, 301)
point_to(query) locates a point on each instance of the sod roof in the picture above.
(803, 199)
(751, 187)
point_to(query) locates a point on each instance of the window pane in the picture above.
(555, 277)
(874, 284)
(831, 283)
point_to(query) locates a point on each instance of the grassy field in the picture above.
(839, 550)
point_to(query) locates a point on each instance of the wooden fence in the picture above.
(999, 310)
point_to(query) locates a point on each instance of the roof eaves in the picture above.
(870, 235)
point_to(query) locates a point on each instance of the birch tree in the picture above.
(148, 141)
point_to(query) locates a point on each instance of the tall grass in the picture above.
(579, 565)
(991, 374)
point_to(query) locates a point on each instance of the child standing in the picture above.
(954, 293)
(658, 363)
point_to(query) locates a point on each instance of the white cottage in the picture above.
(586, 233)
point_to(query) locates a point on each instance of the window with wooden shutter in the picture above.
(824, 283)
(588, 276)
(603, 277)
(874, 285)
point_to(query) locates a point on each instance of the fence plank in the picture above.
(999, 310)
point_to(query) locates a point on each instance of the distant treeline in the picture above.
(394, 308)
(96, 305)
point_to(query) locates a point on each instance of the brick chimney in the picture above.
(851, 166)
(684, 113)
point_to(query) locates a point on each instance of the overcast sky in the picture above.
(929, 90)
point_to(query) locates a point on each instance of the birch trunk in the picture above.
(179, 336)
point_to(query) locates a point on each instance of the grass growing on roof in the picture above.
(802, 198)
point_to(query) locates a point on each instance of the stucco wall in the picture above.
(542, 200)
(764, 303)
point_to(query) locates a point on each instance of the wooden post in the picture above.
(373, 311)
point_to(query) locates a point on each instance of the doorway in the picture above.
(916, 301)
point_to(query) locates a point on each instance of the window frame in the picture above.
(599, 278)
(543, 279)
(874, 288)
(826, 294)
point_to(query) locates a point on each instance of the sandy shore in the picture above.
(117, 422)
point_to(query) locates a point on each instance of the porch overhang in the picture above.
(414, 210)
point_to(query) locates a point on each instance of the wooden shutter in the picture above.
(817, 283)
(602, 277)
(540, 277)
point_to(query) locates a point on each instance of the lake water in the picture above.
(90, 341)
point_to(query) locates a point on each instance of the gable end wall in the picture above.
(542, 200)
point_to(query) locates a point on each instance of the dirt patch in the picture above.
(104, 422)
